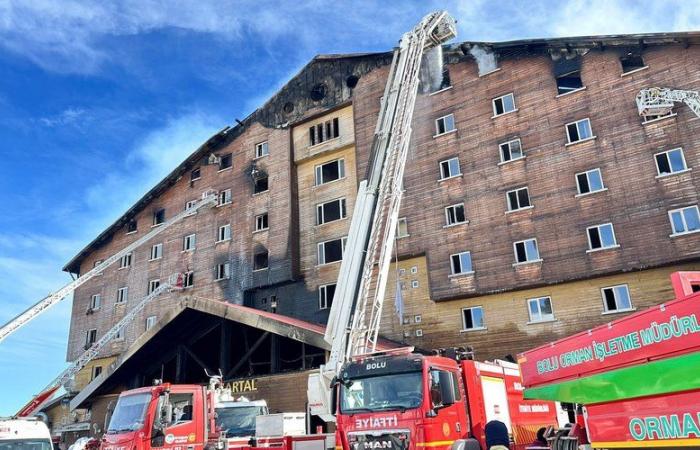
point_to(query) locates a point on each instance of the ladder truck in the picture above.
(209, 198)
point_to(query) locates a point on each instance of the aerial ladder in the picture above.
(353, 323)
(658, 101)
(175, 282)
(209, 198)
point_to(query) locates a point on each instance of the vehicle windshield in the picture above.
(238, 421)
(129, 413)
(382, 393)
(25, 444)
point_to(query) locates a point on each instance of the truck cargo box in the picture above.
(283, 424)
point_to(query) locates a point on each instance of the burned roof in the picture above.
(328, 80)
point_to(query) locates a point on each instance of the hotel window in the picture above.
(503, 105)
(684, 220)
(589, 181)
(90, 337)
(325, 131)
(95, 302)
(511, 150)
(331, 251)
(153, 285)
(473, 318)
(330, 211)
(540, 309)
(225, 161)
(150, 321)
(526, 251)
(224, 197)
(461, 263)
(261, 260)
(401, 228)
(189, 242)
(261, 149)
(260, 184)
(631, 62)
(158, 216)
(188, 280)
(190, 204)
(670, 162)
(579, 131)
(96, 371)
(449, 168)
(330, 171)
(616, 298)
(454, 214)
(601, 236)
(122, 294)
(444, 124)
(325, 296)
(120, 334)
(224, 233)
(569, 82)
(156, 251)
(196, 174)
(223, 271)
(132, 226)
(261, 222)
(518, 199)
(125, 261)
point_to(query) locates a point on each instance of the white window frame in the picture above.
(120, 334)
(508, 143)
(190, 204)
(493, 105)
(685, 222)
(321, 251)
(453, 270)
(225, 197)
(88, 333)
(541, 317)
(259, 222)
(189, 242)
(454, 209)
(450, 174)
(517, 197)
(464, 322)
(262, 149)
(150, 322)
(223, 233)
(94, 369)
(668, 160)
(153, 285)
(527, 260)
(156, 251)
(223, 271)
(404, 221)
(122, 295)
(444, 125)
(188, 280)
(578, 131)
(126, 260)
(318, 171)
(414, 284)
(617, 310)
(602, 247)
(588, 180)
(320, 211)
(323, 302)
(95, 302)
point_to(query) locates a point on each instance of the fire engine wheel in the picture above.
(466, 444)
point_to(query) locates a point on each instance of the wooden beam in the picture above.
(246, 357)
(196, 358)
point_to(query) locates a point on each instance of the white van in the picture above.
(24, 434)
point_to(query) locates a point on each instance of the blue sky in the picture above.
(99, 100)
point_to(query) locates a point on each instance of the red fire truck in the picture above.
(413, 401)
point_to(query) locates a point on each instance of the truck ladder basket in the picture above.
(660, 101)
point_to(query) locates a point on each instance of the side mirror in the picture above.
(166, 414)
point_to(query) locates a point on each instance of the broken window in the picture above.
(224, 233)
(260, 260)
(589, 181)
(125, 261)
(261, 222)
(473, 318)
(402, 228)
(461, 263)
(511, 150)
(260, 184)
(444, 124)
(153, 285)
(131, 226)
(450, 168)
(526, 251)
(670, 162)
(616, 298)
(196, 174)
(123, 294)
(454, 214)
(518, 199)
(224, 197)
(156, 251)
(158, 216)
(331, 251)
(261, 149)
(631, 62)
(325, 296)
(95, 302)
(324, 131)
(330, 171)
(569, 82)
(188, 280)
(601, 236)
(223, 271)
(90, 337)
(330, 211)
(579, 131)
(225, 161)
(189, 242)
(503, 105)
